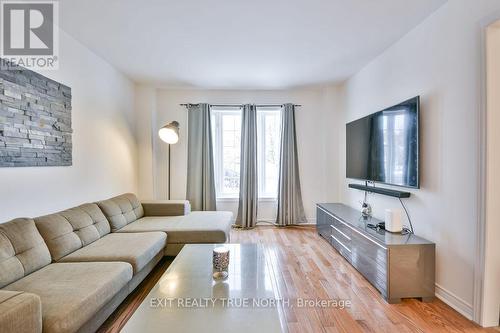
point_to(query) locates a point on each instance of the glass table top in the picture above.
(188, 299)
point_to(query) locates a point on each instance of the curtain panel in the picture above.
(290, 206)
(247, 203)
(200, 169)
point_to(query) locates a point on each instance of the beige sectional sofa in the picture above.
(68, 271)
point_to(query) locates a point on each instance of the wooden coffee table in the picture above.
(188, 299)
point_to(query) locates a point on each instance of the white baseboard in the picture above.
(310, 220)
(461, 306)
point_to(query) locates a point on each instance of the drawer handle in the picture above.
(340, 232)
(345, 247)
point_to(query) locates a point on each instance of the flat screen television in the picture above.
(384, 146)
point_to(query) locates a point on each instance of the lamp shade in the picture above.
(170, 133)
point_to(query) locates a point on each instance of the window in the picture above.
(268, 151)
(226, 133)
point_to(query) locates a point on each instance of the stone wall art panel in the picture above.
(35, 120)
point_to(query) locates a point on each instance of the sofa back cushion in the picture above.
(72, 229)
(22, 250)
(122, 210)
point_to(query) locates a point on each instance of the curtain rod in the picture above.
(239, 105)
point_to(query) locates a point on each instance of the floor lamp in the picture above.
(169, 134)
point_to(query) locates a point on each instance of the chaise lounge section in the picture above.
(127, 215)
(68, 271)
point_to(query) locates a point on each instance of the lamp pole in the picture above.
(169, 165)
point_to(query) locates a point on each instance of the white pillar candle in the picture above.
(393, 221)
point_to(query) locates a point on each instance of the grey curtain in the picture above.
(247, 206)
(290, 206)
(200, 170)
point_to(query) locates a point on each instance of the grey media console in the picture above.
(399, 266)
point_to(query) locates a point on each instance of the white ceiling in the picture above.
(240, 44)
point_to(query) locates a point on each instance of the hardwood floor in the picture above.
(306, 266)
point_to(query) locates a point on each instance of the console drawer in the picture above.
(341, 228)
(370, 259)
(323, 220)
(342, 248)
(342, 236)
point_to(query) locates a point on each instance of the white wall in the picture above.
(104, 147)
(491, 287)
(315, 131)
(145, 106)
(439, 60)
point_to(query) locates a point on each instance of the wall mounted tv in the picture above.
(384, 146)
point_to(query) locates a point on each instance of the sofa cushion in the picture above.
(20, 312)
(72, 293)
(121, 210)
(138, 249)
(71, 229)
(166, 207)
(196, 227)
(22, 250)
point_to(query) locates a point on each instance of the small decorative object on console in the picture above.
(366, 210)
(393, 220)
(220, 259)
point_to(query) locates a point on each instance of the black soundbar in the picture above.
(379, 190)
